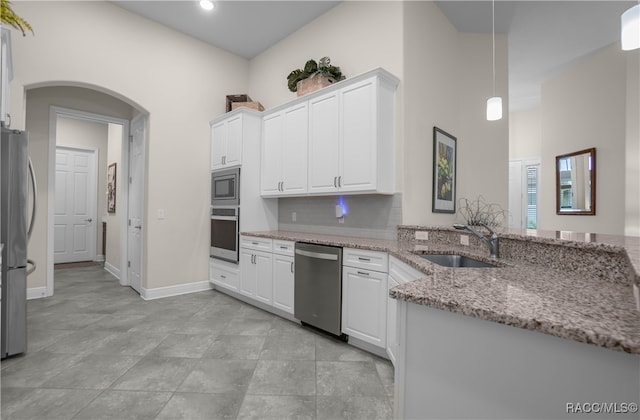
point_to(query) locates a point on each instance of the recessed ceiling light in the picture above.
(206, 4)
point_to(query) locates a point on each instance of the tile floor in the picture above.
(98, 351)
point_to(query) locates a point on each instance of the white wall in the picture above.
(632, 153)
(581, 108)
(448, 77)
(38, 104)
(179, 81)
(112, 258)
(74, 132)
(525, 134)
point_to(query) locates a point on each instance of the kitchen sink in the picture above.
(456, 261)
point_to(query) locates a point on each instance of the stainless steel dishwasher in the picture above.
(318, 286)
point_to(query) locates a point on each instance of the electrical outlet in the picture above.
(422, 235)
(464, 240)
(162, 214)
(636, 294)
(294, 216)
(341, 220)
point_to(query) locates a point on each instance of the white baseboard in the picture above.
(112, 269)
(36, 293)
(180, 289)
(99, 258)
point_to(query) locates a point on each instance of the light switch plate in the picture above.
(294, 216)
(422, 235)
(464, 240)
(162, 214)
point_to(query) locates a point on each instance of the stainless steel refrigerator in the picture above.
(15, 230)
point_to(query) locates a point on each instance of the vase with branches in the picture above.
(479, 212)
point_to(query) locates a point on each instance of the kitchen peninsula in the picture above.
(458, 352)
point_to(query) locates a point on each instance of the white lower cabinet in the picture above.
(225, 274)
(256, 279)
(364, 301)
(399, 273)
(283, 285)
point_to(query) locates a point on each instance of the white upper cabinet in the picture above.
(351, 137)
(324, 143)
(284, 152)
(226, 140)
(6, 74)
(347, 130)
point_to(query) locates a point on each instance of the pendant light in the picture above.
(494, 104)
(630, 28)
(207, 5)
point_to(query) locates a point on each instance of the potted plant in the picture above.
(8, 16)
(315, 75)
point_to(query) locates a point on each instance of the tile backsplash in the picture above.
(369, 216)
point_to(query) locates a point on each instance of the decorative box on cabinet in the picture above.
(364, 297)
(227, 134)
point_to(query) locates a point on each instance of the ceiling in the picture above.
(544, 36)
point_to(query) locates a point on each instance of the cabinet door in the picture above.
(283, 285)
(272, 154)
(294, 149)
(392, 328)
(218, 145)
(263, 263)
(364, 305)
(324, 143)
(233, 155)
(248, 272)
(359, 158)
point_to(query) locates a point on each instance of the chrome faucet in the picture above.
(492, 242)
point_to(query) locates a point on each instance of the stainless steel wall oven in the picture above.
(225, 225)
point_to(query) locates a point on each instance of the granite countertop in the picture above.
(529, 296)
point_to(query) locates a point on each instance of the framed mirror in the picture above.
(576, 183)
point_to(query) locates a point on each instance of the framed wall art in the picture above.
(111, 188)
(444, 172)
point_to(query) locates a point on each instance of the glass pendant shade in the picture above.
(494, 108)
(630, 28)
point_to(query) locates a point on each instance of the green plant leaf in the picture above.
(8, 16)
(311, 67)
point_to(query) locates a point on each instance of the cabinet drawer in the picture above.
(369, 260)
(224, 274)
(283, 247)
(402, 272)
(258, 244)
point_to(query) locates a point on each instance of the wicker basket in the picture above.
(253, 105)
(313, 83)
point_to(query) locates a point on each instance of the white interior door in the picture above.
(75, 205)
(136, 202)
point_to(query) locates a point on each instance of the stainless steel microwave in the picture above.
(225, 187)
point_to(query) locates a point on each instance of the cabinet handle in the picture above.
(340, 181)
(364, 259)
(222, 276)
(292, 266)
(284, 247)
(255, 243)
(363, 273)
(335, 182)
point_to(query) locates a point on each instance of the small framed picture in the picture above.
(444, 172)
(111, 188)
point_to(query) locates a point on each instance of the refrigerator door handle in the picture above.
(33, 266)
(32, 174)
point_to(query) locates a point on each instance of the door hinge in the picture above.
(130, 138)
(129, 264)
(129, 222)
(130, 180)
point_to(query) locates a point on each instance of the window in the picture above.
(532, 197)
